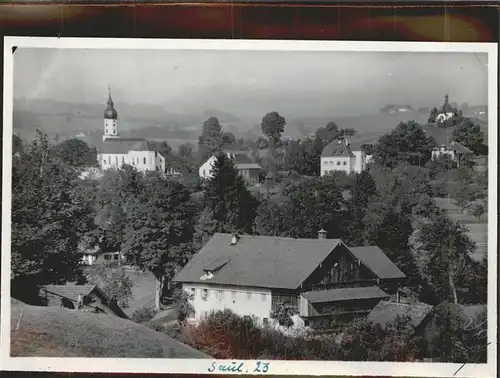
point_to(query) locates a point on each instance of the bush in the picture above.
(143, 314)
(283, 314)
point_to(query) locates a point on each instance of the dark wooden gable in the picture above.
(340, 269)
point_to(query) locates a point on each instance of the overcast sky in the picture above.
(248, 82)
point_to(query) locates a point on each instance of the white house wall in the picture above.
(141, 160)
(206, 169)
(360, 161)
(242, 301)
(345, 164)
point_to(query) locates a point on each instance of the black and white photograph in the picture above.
(249, 207)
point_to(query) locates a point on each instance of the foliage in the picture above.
(433, 114)
(446, 263)
(113, 281)
(183, 306)
(262, 143)
(17, 145)
(469, 134)
(478, 210)
(407, 143)
(77, 153)
(231, 205)
(328, 133)
(273, 126)
(311, 156)
(186, 151)
(365, 341)
(159, 225)
(50, 213)
(294, 156)
(283, 313)
(458, 339)
(211, 139)
(144, 314)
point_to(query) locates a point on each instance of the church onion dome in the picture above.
(110, 112)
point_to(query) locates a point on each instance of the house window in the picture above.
(338, 162)
(107, 257)
(204, 173)
(263, 296)
(204, 294)
(123, 160)
(220, 295)
(249, 296)
(156, 154)
(344, 163)
(144, 160)
(265, 321)
(103, 162)
(157, 168)
(115, 257)
(116, 160)
(193, 291)
(325, 173)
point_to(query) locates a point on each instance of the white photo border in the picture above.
(276, 367)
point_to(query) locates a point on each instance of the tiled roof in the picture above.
(124, 145)
(336, 149)
(259, 261)
(376, 260)
(386, 312)
(344, 294)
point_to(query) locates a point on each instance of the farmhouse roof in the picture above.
(459, 147)
(344, 294)
(124, 145)
(258, 261)
(336, 149)
(386, 312)
(248, 166)
(377, 261)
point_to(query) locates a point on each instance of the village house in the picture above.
(88, 298)
(322, 278)
(97, 256)
(457, 153)
(341, 155)
(242, 161)
(116, 151)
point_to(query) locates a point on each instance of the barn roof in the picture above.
(344, 294)
(258, 261)
(386, 312)
(376, 260)
(70, 291)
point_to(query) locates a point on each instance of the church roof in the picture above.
(124, 145)
(110, 111)
(447, 108)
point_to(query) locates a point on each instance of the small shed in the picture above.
(88, 298)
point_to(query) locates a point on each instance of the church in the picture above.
(115, 151)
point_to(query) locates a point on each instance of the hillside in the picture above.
(59, 332)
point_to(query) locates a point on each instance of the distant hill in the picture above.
(53, 332)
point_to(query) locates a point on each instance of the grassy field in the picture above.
(59, 332)
(143, 291)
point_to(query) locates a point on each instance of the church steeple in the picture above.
(110, 119)
(445, 98)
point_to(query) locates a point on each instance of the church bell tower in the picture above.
(110, 120)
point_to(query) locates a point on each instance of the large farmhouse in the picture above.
(243, 163)
(116, 151)
(320, 277)
(454, 150)
(341, 155)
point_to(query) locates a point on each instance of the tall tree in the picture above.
(294, 156)
(232, 206)
(114, 281)
(433, 114)
(469, 134)
(17, 145)
(185, 151)
(76, 153)
(407, 143)
(273, 126)
(159, 226)
(211, 139)
(50, 214)
(312, 149)
(445, 257)
(328, 133)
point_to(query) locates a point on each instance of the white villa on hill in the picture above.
(341, 155)
(320, 277)
(245, 165)
(116, 151)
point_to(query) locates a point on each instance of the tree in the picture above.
(283, 313)
(478, 211)
(407, 143)
(76, 152)
(211, 139)
(294, 156)
(113, 281)
(185, 151)
(164, 149)
(273, 126)
(347, 132)
(50, 214)
(17, 145)
(159, 225)
(328, 133)
(183, 306)
(262, 143)
(312, 150)
(469, 134)
(445, 258)
(228, 139)
(433, 115)
(232, 206)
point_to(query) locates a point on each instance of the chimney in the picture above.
(321, 234)
(235, 238)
